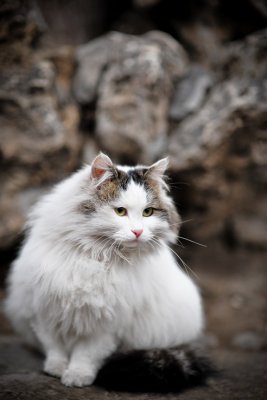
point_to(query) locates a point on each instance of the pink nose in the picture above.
(137, 232)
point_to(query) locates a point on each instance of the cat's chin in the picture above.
(136, 246)
(132, 244)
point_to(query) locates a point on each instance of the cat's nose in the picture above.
(137, 232)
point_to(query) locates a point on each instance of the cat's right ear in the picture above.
(101, 167)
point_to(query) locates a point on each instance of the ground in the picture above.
(243, 375)
(233, 284)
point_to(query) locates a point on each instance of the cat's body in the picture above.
(95, 275)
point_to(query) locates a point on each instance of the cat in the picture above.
(97, 288)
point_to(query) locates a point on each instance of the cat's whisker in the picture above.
(187, 220)
(120, 254)
(111, 247)
(151, 242)
(107, 249)
(156, 242)
(187, 268)
(101, 238)
(99, 246)
(180, 244)
(185, 265)
(192, 241)
(117, 250)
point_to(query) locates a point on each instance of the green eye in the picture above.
(148, 212)
(121, 211)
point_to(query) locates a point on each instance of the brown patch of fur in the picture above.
(170, 211)
(155, 188)
(109, 189)
(87, 207)
(174, 219)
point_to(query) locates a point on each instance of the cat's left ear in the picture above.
(156, 171)
(101, 167)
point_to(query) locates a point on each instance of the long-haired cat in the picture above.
(97, 289)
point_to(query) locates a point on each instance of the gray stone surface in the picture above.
(38, 138)
(251, 230)
(190, 93)
(248, 341)
(130, 79)
(243, 375)
(138, 98)
(38, 143)
(92, 59)
(229, 107)
(261, 6)
(221, 148)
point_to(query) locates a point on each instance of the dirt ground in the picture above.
(233, 285)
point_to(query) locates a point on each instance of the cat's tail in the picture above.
(169, 370)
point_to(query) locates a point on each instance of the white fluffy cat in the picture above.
(95, 275)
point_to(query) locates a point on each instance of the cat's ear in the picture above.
(157, 171)
(101, 165)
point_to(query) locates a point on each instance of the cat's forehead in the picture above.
(132, 174)
(125, 179)
(134, 194)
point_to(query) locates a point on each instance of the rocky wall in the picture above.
(139, 98)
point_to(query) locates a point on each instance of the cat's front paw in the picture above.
(55, 366)
(77, 377)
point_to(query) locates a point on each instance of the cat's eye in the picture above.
(148, 212)
(121, 211)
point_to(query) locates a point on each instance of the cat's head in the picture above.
(129, 208)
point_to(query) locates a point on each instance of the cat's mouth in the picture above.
(132, 243)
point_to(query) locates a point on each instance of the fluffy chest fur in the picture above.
(141, 303)
(86, 295)
(79, 299)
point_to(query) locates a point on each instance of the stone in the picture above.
(22, 26)
(241, 375)
(63, 61)
(145, 3)
(133, 22)
(95, 57)
(221, 147)
(75, 23)
(138, 98)
(209, 341)
(250, 230)
(38, 143)
(244, 60)
(248, 341)
(190, 93)
(261, 6)
(90, 150)
(225, 112)
(129, 78)
(133, 99)
(38, 140)
(92, 59)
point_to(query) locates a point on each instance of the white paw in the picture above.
(77, 377)
(55, 366)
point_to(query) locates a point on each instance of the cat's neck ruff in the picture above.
(119, 255)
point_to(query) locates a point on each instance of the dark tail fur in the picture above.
(169, 370)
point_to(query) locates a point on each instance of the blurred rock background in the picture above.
(142, 79)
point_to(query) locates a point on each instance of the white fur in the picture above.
(80, 299)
